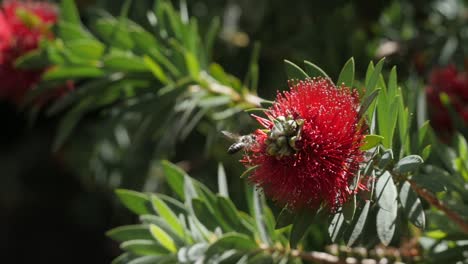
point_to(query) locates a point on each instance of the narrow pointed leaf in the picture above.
(285, 218)
(163, 238)
(314, 70)
(347, 74)
(135, 201)
(412, 205)
(222, 181)
(349, 208)
(231, 241)
(386, 223)
(142, 247)
(294, 72)
(371, 141)
(408, 164)
(386, 191)
(360, 223)
(300, 226)
(174, 177)
(166, 213)
(374, 78)
(129, 232)
(260, 217)
(69, 12)
(367, 102)
(336, 226)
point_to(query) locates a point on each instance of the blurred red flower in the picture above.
(453, 83)
(309, 151)
(22, 25)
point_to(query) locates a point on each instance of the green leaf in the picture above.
(162, 223)
(336, 226)
(258, 208)
(114, 33)
(35, 59)
(229, 241)
(301, 224)
(129, 232)
(123, 258)
(163, 238)
(360, 223)
(433, 179)
(386, 159)
(166, 213)
(142, 247)
(192, 64)
(371, 141)
(314, 70)
(261, 258)
(69, 32)
(408, 164)
(368, 102)
(426, 152)
(386, 223)
(412, 205)
(68, 124)
(346, 76)
(248, 171)
(349, 208)
(174, 177)
(152, 259)
(135, 201)
(69, 12)
(251, 79)
(294, 72)
(222, 181)
(204, 214)
(374, 77)
(228, 212)
(155, 69)
(285, 218)
(72, 72)
(126, 62)
(196, 251)
(211, 35)
(86, 48)
(392, 81)
(386, 191)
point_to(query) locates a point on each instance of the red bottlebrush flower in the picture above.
(309, 151)
(5, 36)
(455, 84)
(23, 24)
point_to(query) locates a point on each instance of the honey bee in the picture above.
(241, 141)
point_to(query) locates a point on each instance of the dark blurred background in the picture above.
(53, 209)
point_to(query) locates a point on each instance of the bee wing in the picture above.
(229, 135)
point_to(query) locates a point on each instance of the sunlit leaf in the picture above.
(386, 223)
(135, 201)
(163, 238)
(360, 223)
(371, 141)
(346, 76)
(412, 205)
(386, 191)
(408, 164)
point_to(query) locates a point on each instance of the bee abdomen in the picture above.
(234, 148)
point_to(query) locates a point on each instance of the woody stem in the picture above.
(432, 199)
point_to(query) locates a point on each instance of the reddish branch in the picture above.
(432, 199)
